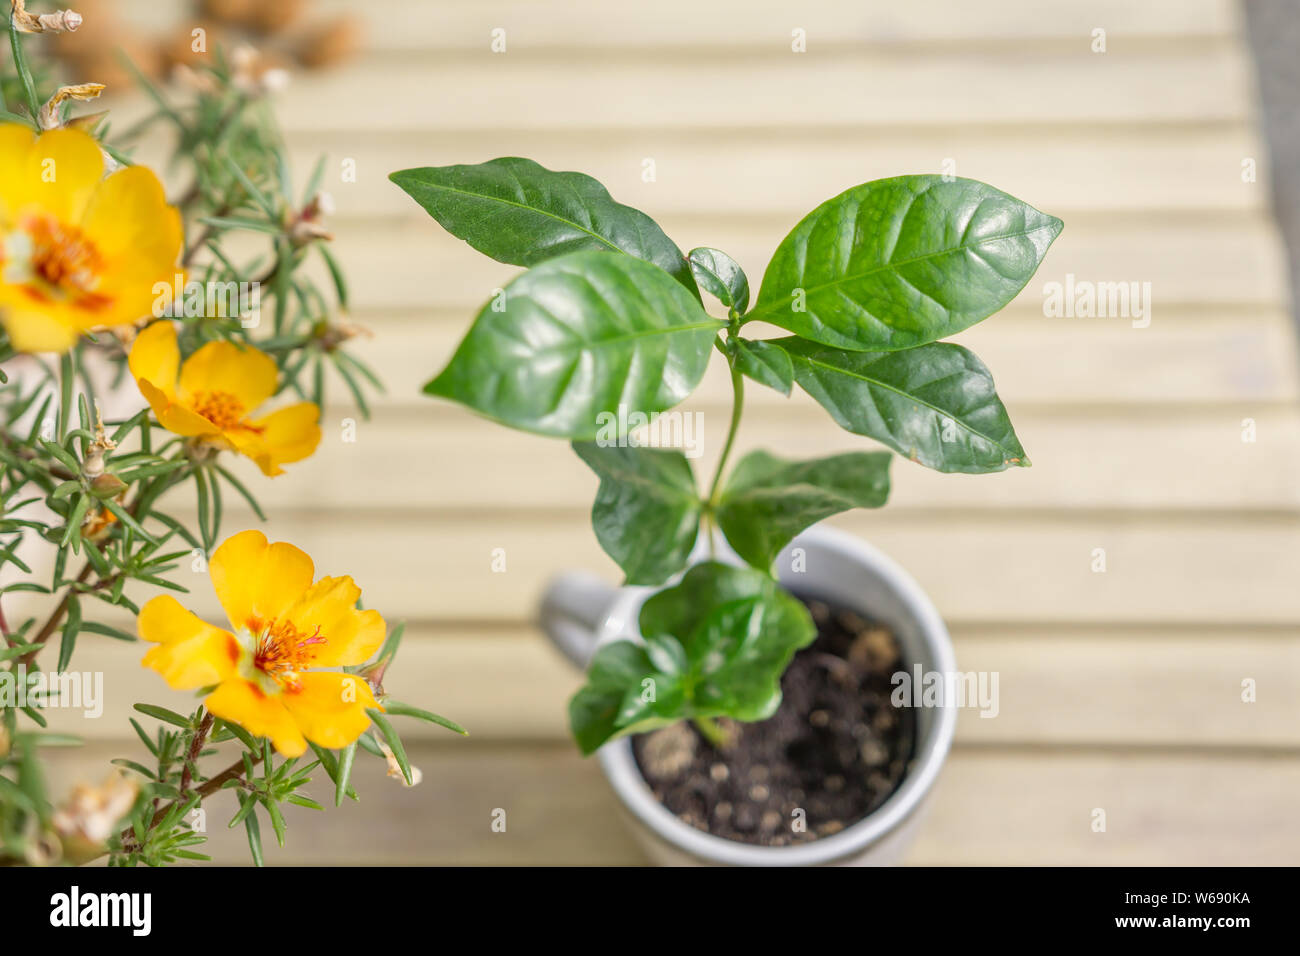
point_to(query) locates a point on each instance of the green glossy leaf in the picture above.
(900, 262)
(768, 500)
(716, 645)
(616, 671)
(721, 277)
(576, 339)
(765, 363)
(935, 404)
(647, 510)
(522, 213)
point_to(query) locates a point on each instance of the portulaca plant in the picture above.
(104, 295)
(610, 317)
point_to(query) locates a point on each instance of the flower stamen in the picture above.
(225, 411)
(282, 652)
(62, 261)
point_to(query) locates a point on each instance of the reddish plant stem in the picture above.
(56, 617)
(196, 747)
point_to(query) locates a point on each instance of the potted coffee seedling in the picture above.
(742, 711)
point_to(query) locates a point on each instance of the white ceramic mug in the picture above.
(580, 612)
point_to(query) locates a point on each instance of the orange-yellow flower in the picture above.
(212, 395)
(77, 251)
(282, 627)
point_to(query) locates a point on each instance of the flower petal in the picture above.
(128, 219)
(246, 373)
(15, 143)
(156, 356)
(36, 330)
(174, 417)
(242, 703)
(190, 652)
(257, 581)
(64, 166)
(329, 708)
(351, 636)
(288, 435)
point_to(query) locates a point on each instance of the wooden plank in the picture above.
(1189, 355)
(412, 264)
(767, 23)
(615, 90)
(983, 568)
(402, 26)
(1090, 171)
(1036, 808)
(1010, 808)
(1111, 460)
(608, 89)
(1181, 170)
(1057, 686)
(399, 26)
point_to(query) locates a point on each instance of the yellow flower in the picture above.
(77, 251)
(211, 396)
(282, 626)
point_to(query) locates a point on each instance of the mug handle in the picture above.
(573, 609)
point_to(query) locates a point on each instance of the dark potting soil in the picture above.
(835, 749)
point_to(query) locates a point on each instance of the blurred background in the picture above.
(1170, 441)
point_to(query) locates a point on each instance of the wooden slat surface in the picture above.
(464, 25)
(1019, 806)
(718, 172)
(1058, 685)
(1119, 690)
(610, 90)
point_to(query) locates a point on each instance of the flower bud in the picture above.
(373, 674)
(107, 486)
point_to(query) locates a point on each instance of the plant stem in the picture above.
(56, 617)
(737, 407)
(54, 620)
(207, 788)
(196, 748)
(22, 451)
(712, 732)
(201, 240)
